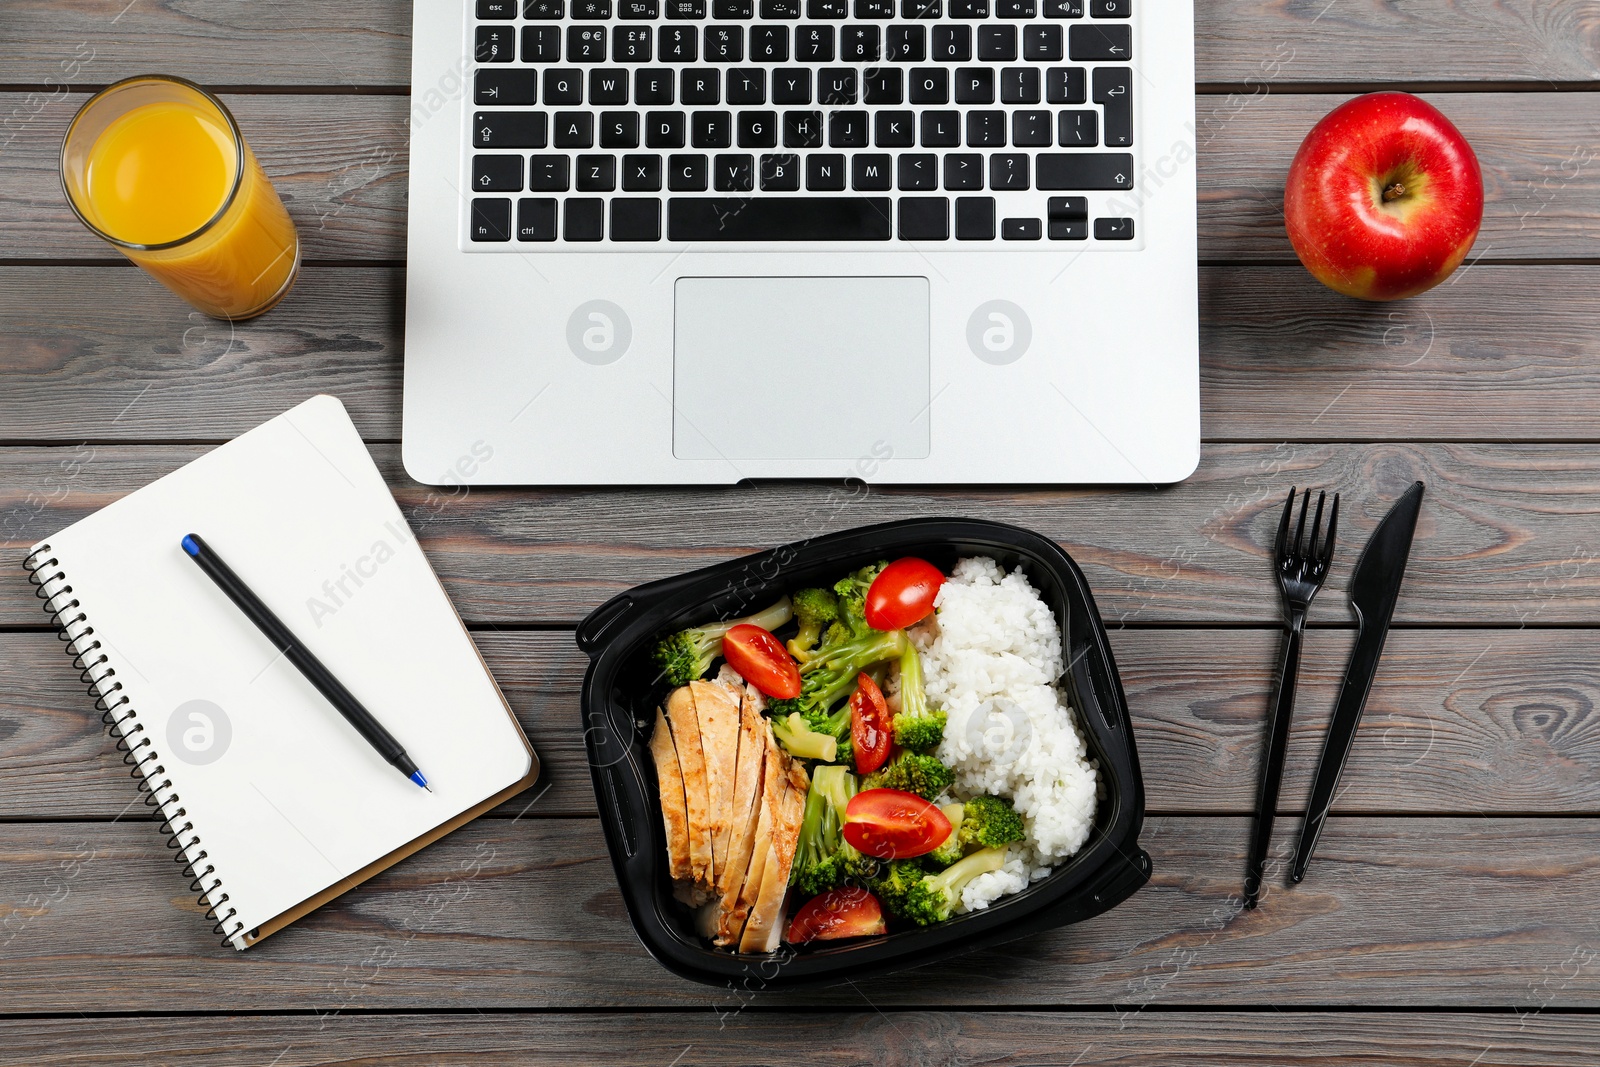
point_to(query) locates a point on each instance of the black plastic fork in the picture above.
(1302, 567)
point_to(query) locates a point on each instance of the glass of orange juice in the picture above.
(157, 167)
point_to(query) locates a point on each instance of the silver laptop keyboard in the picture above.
(633, 122)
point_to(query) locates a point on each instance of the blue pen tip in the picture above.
(416, 776)
(190, 545)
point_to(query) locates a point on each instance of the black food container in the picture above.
(622, 689)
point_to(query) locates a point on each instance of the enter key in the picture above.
(1113, 90)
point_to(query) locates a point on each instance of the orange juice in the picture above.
(157, 167)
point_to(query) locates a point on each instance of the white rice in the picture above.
(990, 656)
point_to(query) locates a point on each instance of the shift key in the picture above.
(1084, 170)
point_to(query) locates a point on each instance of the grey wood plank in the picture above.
(340, 163)
(1460, 722)
(1500, 352)
(1507, 536)
(900, 1039)
(299, 42)
(1398, 912)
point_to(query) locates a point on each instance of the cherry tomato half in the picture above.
(762, 661)
(902, 594)
(870, 728)
(847, 912)
(891, 825)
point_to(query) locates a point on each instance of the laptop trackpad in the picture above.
(800, 368)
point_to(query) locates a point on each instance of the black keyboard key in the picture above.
(496, 44)
(608, 86)
(591, 10)
(1031, 129)
(497, 174)
(870, 172)
(1085, 170)
(1079, 129)
(780, 173)
(858, 44)
(974, 218)
(1068, 218)
(548, 174)
(836, 85)
(712, 129)
(924, 218)
(1066, 85)
(636, 10)
(827, 9)
(847, 129)
(563, 87)
(700, 86)
(618, 129)
(921, 9)
(573, 129)
(986, 129)
(906, 44)
(724, 44)
(1113, 88)
(630, 44)
(1111, 9)
(688, 174)
(543, 10)
(792, 85)
(874, 9)
(1090, 41)
(802, 129)
(664, 129)
(733, 9)
(780, 9)
(1021, 229)
(652, 86)
(1113, 229)
(495, 86)
(491, 219)
(686, 9)
(1008, 171)
(813, 44)
(1042, 43)
(963, 170)
(641, 173)
(636, 218)
(733, 174)
(758, 129)
(881, 85)
(918, 172)
(779, 218)
(930, 85)
(747, 85)
(825, 172)
(969, 9)
(769, 44)
(952, 44)
(997, 43)
(679, 44)
(536, 218)
(1063, 9)
(893, 129)
(497, 9)
(1019, 85)
(583, 219)
(941, 129)
(975, 85)
(509, 129)
(1014, 9)
(541, 44)
(596, 174)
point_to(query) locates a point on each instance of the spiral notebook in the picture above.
(276, 803)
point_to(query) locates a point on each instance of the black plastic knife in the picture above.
(1374, 589)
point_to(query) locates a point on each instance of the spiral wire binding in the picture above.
(133, 741)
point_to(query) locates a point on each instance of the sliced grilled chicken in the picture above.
(674, 815)
(691, 760)
(774, 784)
(753, 738)
(764, 929)
(717, 707)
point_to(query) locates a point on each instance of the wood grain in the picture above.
(340, 164)
(1399, 912)
(898, 1039)
(367, 43)
(1460, 722)
(1499, 352)
(1508, 534)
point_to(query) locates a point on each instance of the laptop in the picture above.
(703, 241)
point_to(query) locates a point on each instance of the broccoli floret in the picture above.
(990, 822)
(816, 609)
(917, 726)
(894, 881)
(800, 740)
(688, 654)
(831, 672)
(913, 772)
(951, 850)
(934, 898)
(852, 591)
(823, 859)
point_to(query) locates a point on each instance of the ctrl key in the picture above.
(491, 219)
(536, 218)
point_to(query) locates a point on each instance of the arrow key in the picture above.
(1113, 88)
(1100, 42)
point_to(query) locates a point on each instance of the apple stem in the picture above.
(1394, 192)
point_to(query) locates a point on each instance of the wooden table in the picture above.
(1450, 917)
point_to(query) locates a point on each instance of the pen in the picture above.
(301, 656)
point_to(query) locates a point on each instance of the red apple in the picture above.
(1384, 198)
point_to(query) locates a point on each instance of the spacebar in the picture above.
(779, 218)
